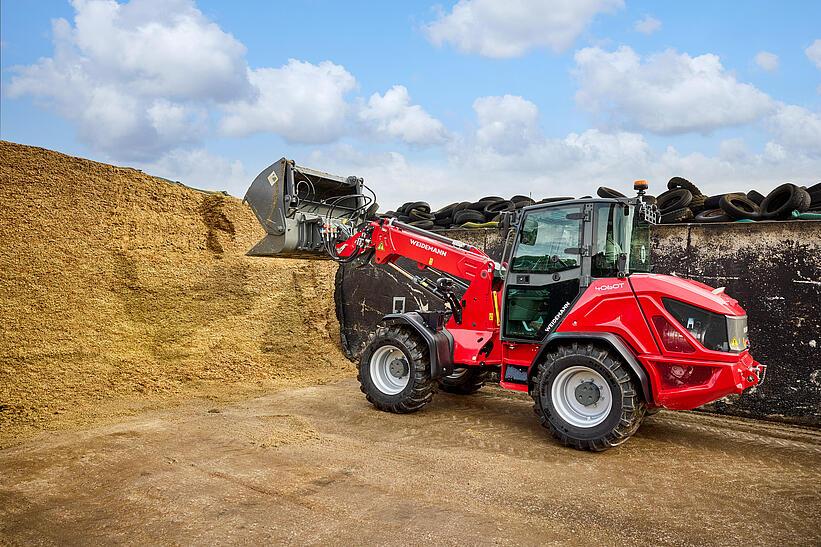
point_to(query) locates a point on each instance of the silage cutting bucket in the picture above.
(293, 203)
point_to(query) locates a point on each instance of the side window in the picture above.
(544, 238)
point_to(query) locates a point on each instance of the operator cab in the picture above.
(555, 250)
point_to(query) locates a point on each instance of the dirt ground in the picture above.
(318, 465)
(120, 291)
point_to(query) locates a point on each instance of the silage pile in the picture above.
(118, 288)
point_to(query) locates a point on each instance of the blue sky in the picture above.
(445, 101)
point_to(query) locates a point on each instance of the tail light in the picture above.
(671, 337)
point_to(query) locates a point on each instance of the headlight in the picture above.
(714, 331)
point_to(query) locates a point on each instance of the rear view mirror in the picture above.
(530, 229)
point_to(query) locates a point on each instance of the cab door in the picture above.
(544, 274)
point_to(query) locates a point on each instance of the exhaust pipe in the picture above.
(294, 203)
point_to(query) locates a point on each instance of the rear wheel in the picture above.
(394, 371)
(587, 398)
(463, 381)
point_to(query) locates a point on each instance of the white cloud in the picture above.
(162, 48)
(393, 115)
(512, 28)
(480, 163)
(797, 129)
(300, 101)
(506, 123)
(732, 149)
(198, 168)
(766, 60)
(666, 93)
(136, 78)
(814, 53)
(647, 25)
(508, 138)
(578, 165)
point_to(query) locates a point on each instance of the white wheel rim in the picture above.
(581, 396)
(390, 371)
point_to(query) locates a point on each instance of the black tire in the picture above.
(422, 205)
(444, 221)
(518, 200)
(552, 200)
(463, 381)
(423, 224)
(712, 215)
(738, 206)
(493, 209)
(784, 200)
(713, 202)
(676, 215)
(488, 199)
(467, 215)
(672, 200)
(697, 205)
(679, 182)
(755, 197)
(420, 214)
(420, 388)
(461, 206)
(627, 407)
(445, 212)
(815, 198)
(605, 192)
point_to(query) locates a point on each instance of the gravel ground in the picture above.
(318, 465)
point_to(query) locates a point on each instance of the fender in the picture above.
(614, 342)
(429, 325)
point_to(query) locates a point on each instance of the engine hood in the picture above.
(685, 290)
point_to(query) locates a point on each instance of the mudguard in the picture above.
(430, 328)
(607, 338)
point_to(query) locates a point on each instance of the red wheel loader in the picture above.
(572, 315)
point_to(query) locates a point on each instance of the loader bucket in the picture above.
(293, 203)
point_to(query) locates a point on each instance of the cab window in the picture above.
(549, 241)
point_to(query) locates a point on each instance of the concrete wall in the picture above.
(772, 268)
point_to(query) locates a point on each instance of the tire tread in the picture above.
(633, 407)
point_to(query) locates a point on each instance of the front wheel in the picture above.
(394, 371)
(587, 398)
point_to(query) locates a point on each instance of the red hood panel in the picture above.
(691, 292)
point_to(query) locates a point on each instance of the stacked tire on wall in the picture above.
(484, 213)
(684, 202)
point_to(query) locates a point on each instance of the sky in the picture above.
(444, 102)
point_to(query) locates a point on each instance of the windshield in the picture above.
(549, 241)
(618, 229)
